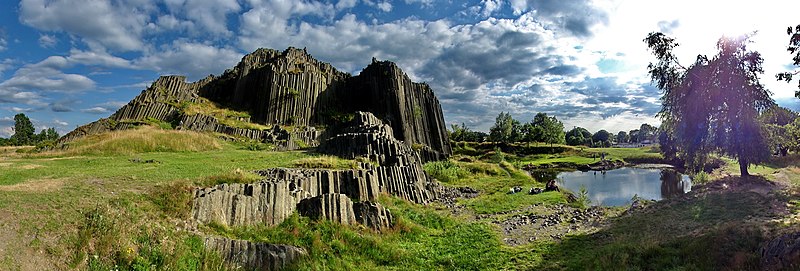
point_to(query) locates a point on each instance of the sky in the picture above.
(65, 63)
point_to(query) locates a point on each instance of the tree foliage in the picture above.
(579, 136)
(23, 130)
(545, 129)
(712, 105)
(602, 138)
(778, 115)
(463, 133)
(794, 49)
(623, 137)
(782, 127)
(506, 129)
(24, 133)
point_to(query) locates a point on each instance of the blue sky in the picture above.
(65, 63)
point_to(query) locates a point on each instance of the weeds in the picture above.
(327, 162)
(445, 171)
(582, 199)
(172, 199)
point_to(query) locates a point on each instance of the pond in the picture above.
(617, 187)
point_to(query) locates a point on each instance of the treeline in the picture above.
(25, 134)
(548, 129)
(782, 129)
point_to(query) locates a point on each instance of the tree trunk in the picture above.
(743, 167)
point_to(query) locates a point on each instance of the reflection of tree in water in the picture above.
(671, 183)
(544, 175)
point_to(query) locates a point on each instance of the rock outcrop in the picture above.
(290, 88)
(276, 197)
(240, 254)
(339, 208)
(333, 207)
(373, 215)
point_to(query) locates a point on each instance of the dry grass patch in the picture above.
(141, 140)
(41, 185)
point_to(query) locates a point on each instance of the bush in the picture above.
(498, 155)
(699, 178)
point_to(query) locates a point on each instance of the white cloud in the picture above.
(490, 7)
(346, 4)
(97, 58)
(44, 76)
(116, 25)
(104, 108)
(194, 60)
(384, 6)
(20, 110)
(5, 64)
(60, 122)
(47, 41)
(207, 16)
(96, 110)
(6, 131)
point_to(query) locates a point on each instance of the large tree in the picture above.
(794, 49)
(506, 129)
(545, 129)
(712, 105)
(23, 130)
(578, 136)
(623, 137)
(602, 138)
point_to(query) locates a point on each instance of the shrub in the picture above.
(699, 177)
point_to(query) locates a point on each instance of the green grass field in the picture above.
(111, 206)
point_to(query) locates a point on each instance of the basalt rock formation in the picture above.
(326, 193)
(288, 88)
(246, 255)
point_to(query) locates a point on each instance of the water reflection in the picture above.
(617, 187)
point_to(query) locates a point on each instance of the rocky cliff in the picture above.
(288, 88)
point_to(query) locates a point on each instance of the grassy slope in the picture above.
(48, 197)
